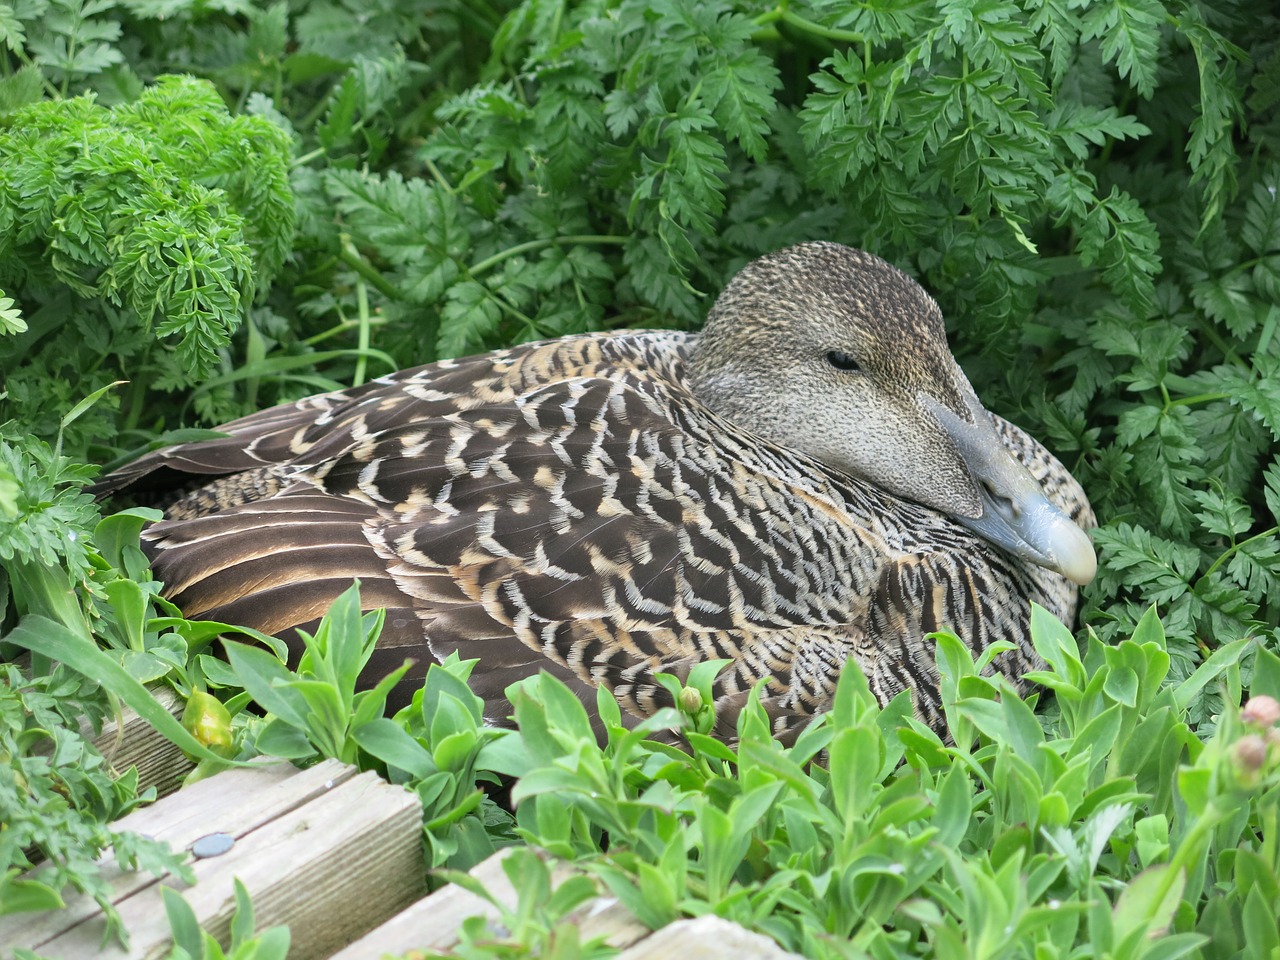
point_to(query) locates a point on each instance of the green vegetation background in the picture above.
(210, 207)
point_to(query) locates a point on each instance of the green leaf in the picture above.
(10, 318)
(506, 755)
(1054, 642)
(856, 755)
(453, 752)
(121, 530)
(1266, 674)
(242, 918)
(739, 92)
(471, 314)
(22, 896)
(78, 410)
(187, 934)
(12, 34)
(267, 680)
(1219, 662)
(1122, 686)
(952, 809)
(1130, 35)
(279, 738)
(1150, 900)
(388, 741)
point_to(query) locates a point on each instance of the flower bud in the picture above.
(690, 700)
(1249, 753)
(206, 719)
(1261, 711)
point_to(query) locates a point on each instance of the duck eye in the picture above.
(842, 361)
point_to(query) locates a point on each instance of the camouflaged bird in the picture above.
(810, 479)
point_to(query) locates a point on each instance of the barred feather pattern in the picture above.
(571, 506)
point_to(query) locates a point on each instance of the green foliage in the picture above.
(543, 922)
(438, 746)
(1106, 830)
(311, 713)
(47, 517)
(156, 218)
(190, 942)
(10, 318)
(84, 576)
(1088, 188)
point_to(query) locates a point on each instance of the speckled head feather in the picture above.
(803, 298)
(608, 506)
(781, 319)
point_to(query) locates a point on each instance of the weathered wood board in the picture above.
(337, 856)
(706, 938)
(434, 923)
(328, 851)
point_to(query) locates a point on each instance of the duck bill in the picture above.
(1016, 515)
(1033, 528)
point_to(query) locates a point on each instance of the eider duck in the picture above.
(809, 479)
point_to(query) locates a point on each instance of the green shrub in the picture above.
(158, 218)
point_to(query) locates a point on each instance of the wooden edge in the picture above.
(434, 920)
(235, 801)
(328, 869)
(706, 938)
(607, 917)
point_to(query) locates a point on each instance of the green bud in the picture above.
(690, 700)
(206, 719)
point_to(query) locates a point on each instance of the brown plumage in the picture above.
(795, 486)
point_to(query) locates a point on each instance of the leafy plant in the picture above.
(542, 923)
(58, 796)
(1108, 830)
(156, 218)
(1089, 190)
(190, 942)
(439, 745)
(73, 593)
(312, 712)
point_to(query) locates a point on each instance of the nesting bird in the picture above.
(809, 479)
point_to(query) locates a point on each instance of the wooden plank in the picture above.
(706, 938)
(330, 869)
(434, 921)
(235, 801)
(605, 916)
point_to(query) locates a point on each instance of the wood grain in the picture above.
(329, 852)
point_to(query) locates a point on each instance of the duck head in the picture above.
(833, 352)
